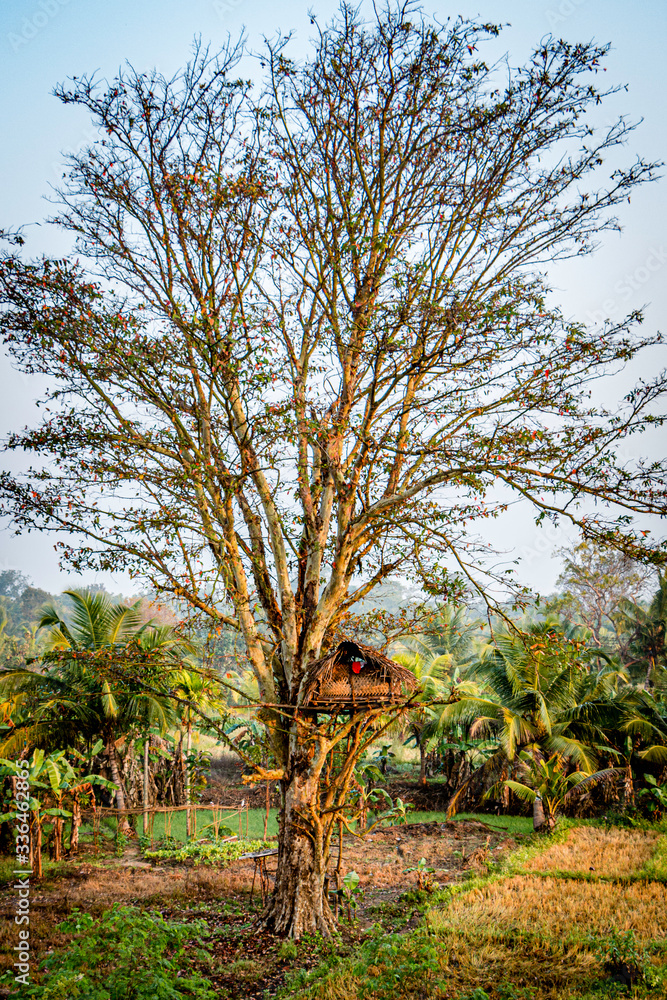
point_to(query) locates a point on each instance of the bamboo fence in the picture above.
(221, 814)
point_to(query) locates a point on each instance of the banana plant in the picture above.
(51, 778)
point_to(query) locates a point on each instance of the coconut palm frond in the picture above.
(523, 792)
(606, 775)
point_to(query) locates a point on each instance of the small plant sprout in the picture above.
(424, 875)
(351, 893)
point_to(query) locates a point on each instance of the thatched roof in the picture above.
(330, 681)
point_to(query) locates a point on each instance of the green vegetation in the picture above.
(207, 852)
(126, 954)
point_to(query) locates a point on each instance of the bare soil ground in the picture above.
(245, 964)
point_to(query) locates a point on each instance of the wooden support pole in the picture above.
(145, 803)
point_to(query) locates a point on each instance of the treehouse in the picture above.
(354, 677)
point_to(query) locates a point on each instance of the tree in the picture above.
(645, 629)
(550, 785)
(307, 334)
(80, 695)
(596, 580)
(537, 697)
(433, 657)
(12, 583)
(192, 686)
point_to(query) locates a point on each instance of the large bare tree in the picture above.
(307, 335)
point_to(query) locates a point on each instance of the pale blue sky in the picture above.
(45, 41)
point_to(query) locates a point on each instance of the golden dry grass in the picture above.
(559, 910)
(525, 935)
(613, 854)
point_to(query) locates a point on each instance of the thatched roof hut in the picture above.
(355, 676)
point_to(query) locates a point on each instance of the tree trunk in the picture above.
(649, 670)
(538, 813)
(37, 845)
(628, 788)
(188, 817)
(298, 905)
(422, 762)
(123, 825)
(76, 823)
(57, 837)
(145, 791)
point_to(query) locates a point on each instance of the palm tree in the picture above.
(646, 629)
(548, 784)
(539, 696)
(434, 659)
(102, 675)
(193, 687)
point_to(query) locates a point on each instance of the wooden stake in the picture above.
(146, 745)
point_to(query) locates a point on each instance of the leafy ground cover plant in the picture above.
(626, 959)
(126, 954)
(207, 851)
(350, 892)
(424, 875)
(654, 797)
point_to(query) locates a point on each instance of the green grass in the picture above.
(510, 824)
(175, 825)
(656, 867)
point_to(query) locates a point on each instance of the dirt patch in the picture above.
(451, 849)
(381, 860)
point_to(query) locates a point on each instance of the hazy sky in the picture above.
(45, 41)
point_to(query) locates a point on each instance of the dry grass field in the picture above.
(530, 936)
(614, 853)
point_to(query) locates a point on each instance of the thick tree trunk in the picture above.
(538, 813)
(123, 825)
(298, 905)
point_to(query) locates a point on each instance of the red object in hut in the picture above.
(356, 666)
